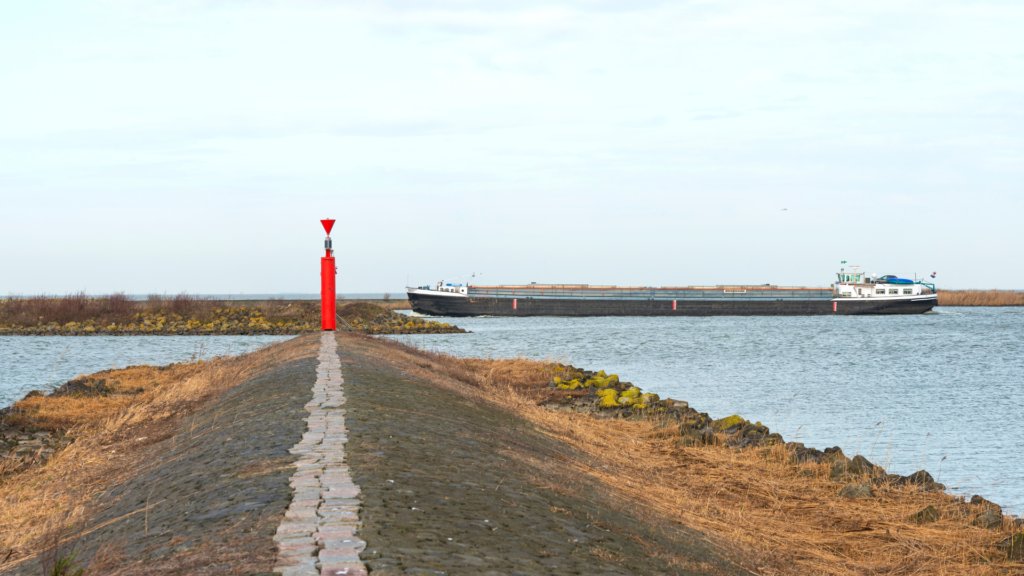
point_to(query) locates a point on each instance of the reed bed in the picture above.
(771, 516)
(76, 307)
(121, 309)
(80, 314)
(981, 298)
(48, 502)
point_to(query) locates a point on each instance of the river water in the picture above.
(46, 362)
(942, 391)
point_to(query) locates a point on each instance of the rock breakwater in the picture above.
(605, 396)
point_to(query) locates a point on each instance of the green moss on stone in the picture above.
(727, 422)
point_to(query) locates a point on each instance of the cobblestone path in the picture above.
(317, 536)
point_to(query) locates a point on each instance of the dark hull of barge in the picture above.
(485, 306)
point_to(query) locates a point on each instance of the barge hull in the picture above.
(484, 306)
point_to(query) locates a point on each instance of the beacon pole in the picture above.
(328, 273)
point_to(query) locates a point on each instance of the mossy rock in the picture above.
(727, 422)
(1013, 546)
(753, 429)
(697, 422)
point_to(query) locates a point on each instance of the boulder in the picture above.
(989, 519)
(724, 424)
(834, 453)
(843, 469)
(979, 501)
(929, 514)
(861, 465)
(856, 491)
(756, 429)
(707, 436)
(919, 478)
(802, 454)
(676, 405)
(1013, 546)
(696, 422)
(840, 470)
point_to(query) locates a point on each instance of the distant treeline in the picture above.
(981, 298)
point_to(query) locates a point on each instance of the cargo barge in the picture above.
(854, 293)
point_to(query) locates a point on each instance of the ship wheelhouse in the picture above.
(856, 284)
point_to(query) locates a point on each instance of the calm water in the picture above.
(45, 362)
(906, 390)
(943, 385)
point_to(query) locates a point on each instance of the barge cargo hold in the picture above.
(855, 294)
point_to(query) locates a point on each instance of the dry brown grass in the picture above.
(110, 431)
(771, 516)
(981, 298)
(132, 385)
(121, 309)
(76, 307)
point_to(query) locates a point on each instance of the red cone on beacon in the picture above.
(328, 272)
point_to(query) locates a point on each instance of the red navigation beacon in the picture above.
(328, 293)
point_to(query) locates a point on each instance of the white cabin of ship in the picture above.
(856, 284)
(452, 288)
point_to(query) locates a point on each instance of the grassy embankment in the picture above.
(776, 514)
(980, 298)
(113, 416)
(117, 314)
(771, 512)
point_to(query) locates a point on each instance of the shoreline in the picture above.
(540, 433)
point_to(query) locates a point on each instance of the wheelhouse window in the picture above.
(908, 290)
(879, 290)
(894, 290)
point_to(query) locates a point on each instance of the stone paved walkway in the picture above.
(317, 536)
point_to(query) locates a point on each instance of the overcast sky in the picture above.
(194, 145)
